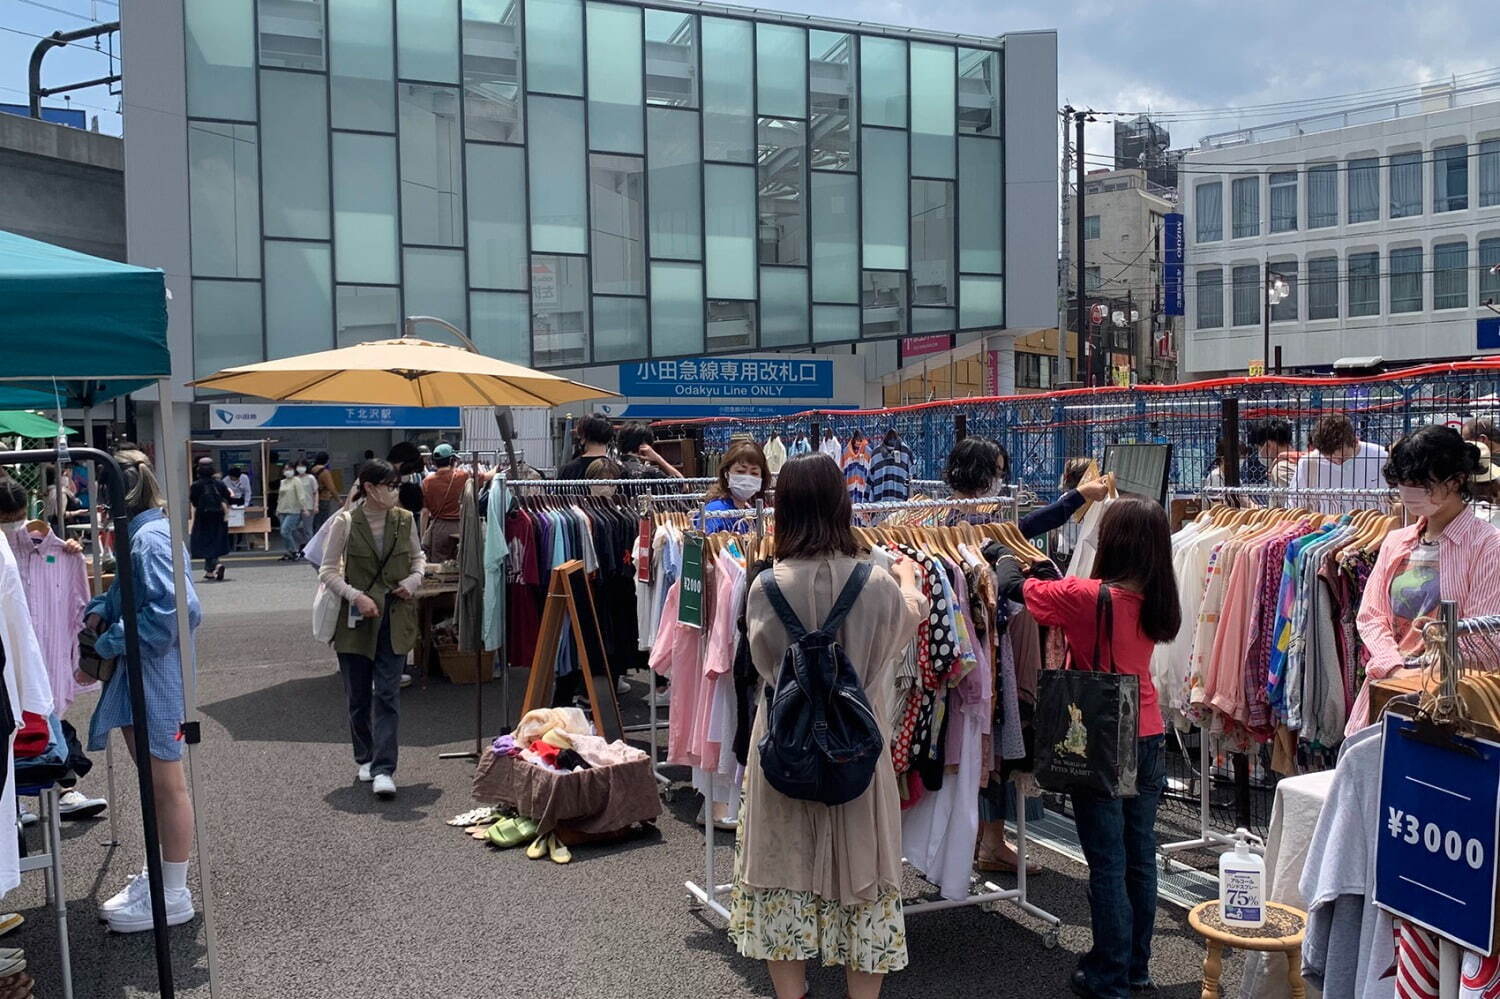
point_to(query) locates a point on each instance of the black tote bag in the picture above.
(1087, 720)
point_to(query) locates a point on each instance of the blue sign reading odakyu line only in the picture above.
(729, 377)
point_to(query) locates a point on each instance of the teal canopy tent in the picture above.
(20, 423)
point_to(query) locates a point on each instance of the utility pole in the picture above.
(1062, 262)
(1081, 313)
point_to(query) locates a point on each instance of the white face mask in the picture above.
(301, 469)
(287, 473)
(742, 487)
(1418, 501)
(383, 497)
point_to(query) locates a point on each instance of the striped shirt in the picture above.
(56, 583)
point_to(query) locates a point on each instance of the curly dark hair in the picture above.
(1433, 456)
(971, 465)
(1334, 432)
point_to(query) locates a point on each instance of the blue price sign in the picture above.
(1439, 832)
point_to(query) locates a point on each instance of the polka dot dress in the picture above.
(936, 657)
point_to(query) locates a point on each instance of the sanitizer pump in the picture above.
(1242, 884)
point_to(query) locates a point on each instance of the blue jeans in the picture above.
(291, 531)
(1118, 836)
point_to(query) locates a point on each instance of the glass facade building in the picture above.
(582, 182)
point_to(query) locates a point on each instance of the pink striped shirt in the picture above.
(56, 583)
(1468, 573)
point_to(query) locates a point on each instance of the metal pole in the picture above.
(1081, 310)
(96, 547)
(479, 679)
(1265, 312)
(1062, 267)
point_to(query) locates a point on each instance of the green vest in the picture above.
(363, 571)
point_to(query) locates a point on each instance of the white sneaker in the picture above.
(364, 773)
(384, 787)
(26, 815)
(74, 805)
(622, 686)
(136, 917)
(134, 889)
(662, 697)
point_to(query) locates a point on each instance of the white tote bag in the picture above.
(327, 605)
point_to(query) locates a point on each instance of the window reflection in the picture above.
(671, 58)
(884, 304)
(831, 99)
(432, 200)
(559, 310)
(492, 71)
(782, 230)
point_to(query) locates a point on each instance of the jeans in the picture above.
(209, 565)
(382, 675)
(1118, 836)
(291, 531)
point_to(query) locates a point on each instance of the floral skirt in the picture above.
(779, 924)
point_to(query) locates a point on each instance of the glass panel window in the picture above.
(781, 70)
(619, 328)
(671, 58)
(554, 46)
(835, 323)
(294, 128)
(835, 238)
(676, 309)
(1450, 276)
(1286, 309)
(1245, 194)
(1364, 284)
(932, 243)
(427, 40)
(883, 197)
(1210, 298)
(980, 90)
(432, 171)
(220, 36)
(783, 306)
(882, 81)
(831, 99)
(729, 249)
(1489, 282)
(1323, 288)
(932, 320)
(1284, 201)
(1406, 184)
(361, 57)
(615, 87)
(433, 283)
(497, 218)
(883, 304)
(492, 71)
(731, 325)
(1092, 279)
(981, 226)
(226, 325)
(728, 90)
(1450, 178)
(1208, 210)
(1406, 279)
(617, 206)
(781, 179)
(981, 301)
(364, 208)
(559, 311)
(291, 33)
(498, 324)
(299, 298)
(224, 199)
(367, 313)
(559, 218)
(1247, 295)
(1489, 173)
(1322, 196)
(674, 178)
(933, 109)
(1363, 190)
(1091, 227)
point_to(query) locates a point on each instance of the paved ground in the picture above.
(322, 892)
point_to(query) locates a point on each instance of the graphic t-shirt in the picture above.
(1414, 597)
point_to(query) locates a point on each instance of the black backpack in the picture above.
(822, 742)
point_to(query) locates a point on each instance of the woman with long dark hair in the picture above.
(1134, 563)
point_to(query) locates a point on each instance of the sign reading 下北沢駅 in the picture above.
(250, 416)
(690, 596)
(729, 378)
(1439, 830)
(1174, 299)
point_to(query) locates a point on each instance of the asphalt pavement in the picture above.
(322, 892)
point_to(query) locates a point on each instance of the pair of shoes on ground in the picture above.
(1080, 985)
(129, 911)
(382, 786)
(512, 832)
(549, 846)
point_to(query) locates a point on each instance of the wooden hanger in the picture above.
(38, 527)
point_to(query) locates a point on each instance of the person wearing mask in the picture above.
(1134, 566)
(155, 597)
(1448, 554)
(238, 484)
(307, 492)
(979, 467)
(374, 563)
(208, 523)
(328, 498)
(1272, 440)
(1339, 460)
(816, 882)
(595, 434)
(639, 457)
(743, 478)
(289, 514)
(442, 503)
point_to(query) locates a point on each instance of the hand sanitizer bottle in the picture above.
(1242, 884)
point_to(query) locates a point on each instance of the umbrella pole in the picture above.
(479, 678)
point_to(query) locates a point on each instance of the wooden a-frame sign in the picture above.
(570, 599)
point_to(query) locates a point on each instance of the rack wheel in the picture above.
(1050, 939)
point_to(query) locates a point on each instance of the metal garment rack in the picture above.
(1208, 837)
(707, 894)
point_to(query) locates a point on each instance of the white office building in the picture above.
(1383, 223)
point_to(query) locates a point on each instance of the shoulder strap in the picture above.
(789, 618)
(847, 596)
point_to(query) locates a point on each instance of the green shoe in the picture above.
(512, 832)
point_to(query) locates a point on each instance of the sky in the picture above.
(1142, 56)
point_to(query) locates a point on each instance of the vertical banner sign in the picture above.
(992, 373)
(1439, 830)
(643, 552)
(690, 598)
(1172, 265)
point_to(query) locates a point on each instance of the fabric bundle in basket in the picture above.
(601, 802)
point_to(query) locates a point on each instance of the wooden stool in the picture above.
(1283, 931)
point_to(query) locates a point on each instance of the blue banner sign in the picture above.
(1487, 332)
(241, 416)
(1439, 831)
(729, 378)
(1175, 303)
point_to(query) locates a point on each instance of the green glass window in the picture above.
(224, 199)
(497, 217)
(884, 198)
(299, 298)
(981, 301)
(559, 216)
(498, 325)
(361, 54)
(981, 89)
(492, 71)
(981, 227)
(366, 312)
(882, 81)
(932, 242)
(433, 284)
(559, 311)
(554, 46)
(432, 178)
(835, 323)
(728, 90)
(831, 79)
(615, 95)
(932, 320)
(618, 231)
(781, 70)
(933, 109)
(729, 197)
(883, 304)
(294, 129)
(783, 194)
(619, 328)
(674, 178)
(731, 325)
(291, 33)
(226, 325)
(220, 37)
(676, 309)
(364, 208)
(835, 238)
(783, 307)
(671, 58)
(427, 40)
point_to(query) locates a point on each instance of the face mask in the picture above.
(301, 469)
(1418, 501)
(742, 487)
(381, 496)
(287, 473)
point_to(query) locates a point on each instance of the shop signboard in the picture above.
(690, 595)
(1175, 299)
(743, 378)
(261, 416)
(1438, 834)
(932, 343)
(992, 373)
(1487, 333)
